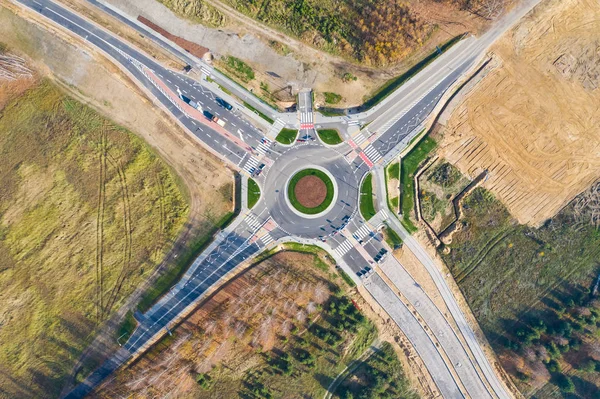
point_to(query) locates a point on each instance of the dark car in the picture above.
(223, 103)
(208, 115)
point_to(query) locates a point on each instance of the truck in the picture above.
(213, 118)
(195, 105)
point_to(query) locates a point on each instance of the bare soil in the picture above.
(533, 121)
(310, 191)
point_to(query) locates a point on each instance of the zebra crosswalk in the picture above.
(252, 221)
(344, 247)
(372, 153)
(266, 239)
(206, 70)
(362, 233)
(306, 120)
(251, 164)
(264, 146)
(359, 138)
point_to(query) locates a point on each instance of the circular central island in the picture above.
(310, 191)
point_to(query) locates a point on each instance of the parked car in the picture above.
(223, 103)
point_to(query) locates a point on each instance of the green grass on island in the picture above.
(410, 163)
(328, 197)
(286, 136)
(367, 205)
(329, 136)
(253, 193)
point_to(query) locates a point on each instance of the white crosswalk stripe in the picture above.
(206, 70)
(362, 233)
(252, 221)
(359, 138)
(372, 153)
(266, 239)
(344, 247)
(353, 123)
(251, 163)
(264, 146)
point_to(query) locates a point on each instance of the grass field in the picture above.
(286, 136)
(367, 205)
(513, 275)
(253, 193)
(87, 211)
(329, 136)
(328, 197)
(410, 163)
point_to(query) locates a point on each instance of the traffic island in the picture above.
(311, 191)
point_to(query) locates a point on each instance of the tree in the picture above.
(564, 383)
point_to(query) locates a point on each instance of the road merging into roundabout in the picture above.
(331, 221)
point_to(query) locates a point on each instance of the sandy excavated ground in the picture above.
(533, 122)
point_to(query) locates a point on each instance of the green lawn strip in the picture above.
(328, 198)
(330, 136)
(265, 117)
(391, 85)
(253, 193)
(392, 238)
(367, 207)
(391, 172)
(332, 98)
(410, 163)
(167, 280)
(287, 136)
(126, 328)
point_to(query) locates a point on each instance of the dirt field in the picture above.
(310, 191)
(533, 121)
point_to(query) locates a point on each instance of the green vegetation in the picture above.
(445, 175)
(391, 85)
(167, 280)
(329, 136)
(198, 11)
(239, 68)
(530, 289)
(332, 98)
(431, 205)
(410, 163)
(126, 328)
(379, 376)
(367, 205)
(373, 32)
(328, 197)
(392, 177)
(87, 211)
(257, 112)
(253, 193)
(287, 136)
(392, 238)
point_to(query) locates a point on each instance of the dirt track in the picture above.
(533, 121)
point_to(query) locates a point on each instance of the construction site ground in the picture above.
(532, 121)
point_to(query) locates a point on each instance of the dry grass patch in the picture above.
(87, 211)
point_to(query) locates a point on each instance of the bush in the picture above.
(564, 383)
(332, 98)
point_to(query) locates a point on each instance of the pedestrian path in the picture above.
(251, 164)
(266, 239)
(252, 221)
(275, 128)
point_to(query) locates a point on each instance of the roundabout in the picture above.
(311, 192)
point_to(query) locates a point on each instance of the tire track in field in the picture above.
(162, 215)
(100, 222)
(126, 266)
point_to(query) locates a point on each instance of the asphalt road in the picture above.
(354, 243)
